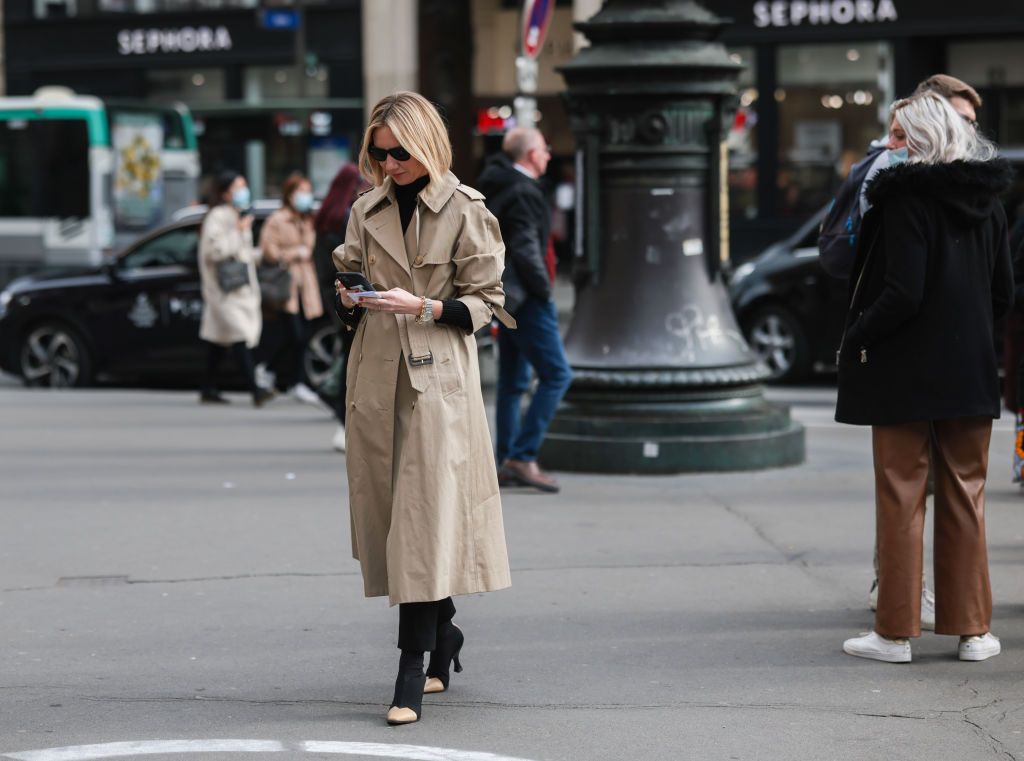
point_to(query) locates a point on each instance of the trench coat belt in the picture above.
(416, 348)
(504, 317)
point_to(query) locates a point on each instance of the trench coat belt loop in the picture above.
(416, 350)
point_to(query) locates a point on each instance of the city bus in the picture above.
(81, 177)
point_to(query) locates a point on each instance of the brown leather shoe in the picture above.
(527, 473)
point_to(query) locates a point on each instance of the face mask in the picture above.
(302, 202)
(898, 156)
(241, 199)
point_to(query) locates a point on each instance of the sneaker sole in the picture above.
(876, 656)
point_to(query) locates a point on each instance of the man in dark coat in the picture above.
(509, 181)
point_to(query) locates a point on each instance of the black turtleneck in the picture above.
(454, 312)
(406, 196)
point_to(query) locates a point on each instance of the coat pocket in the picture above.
(447, 366)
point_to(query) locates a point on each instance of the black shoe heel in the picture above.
(449, 648)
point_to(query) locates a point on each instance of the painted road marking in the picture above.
(161, 747)
(147, 747)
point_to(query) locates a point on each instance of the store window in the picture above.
(271, 82)
(55, 8)
(742, 140)
(833, 101)
(995, 67)
(164, 6)
(191, 86)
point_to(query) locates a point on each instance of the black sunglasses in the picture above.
(398, 153)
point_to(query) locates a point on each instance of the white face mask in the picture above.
(898, 156)
(302, 201)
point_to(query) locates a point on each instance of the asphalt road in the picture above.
(177, 573)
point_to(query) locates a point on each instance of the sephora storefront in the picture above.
(269, 93)
(819, 80)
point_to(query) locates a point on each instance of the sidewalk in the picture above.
(176, 572)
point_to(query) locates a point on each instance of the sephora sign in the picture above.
(776, 13)
(188, 39)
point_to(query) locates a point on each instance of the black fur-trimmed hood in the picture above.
(968, 189)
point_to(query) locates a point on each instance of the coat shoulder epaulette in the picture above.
(472, 193)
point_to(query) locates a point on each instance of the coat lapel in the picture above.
(384, 224)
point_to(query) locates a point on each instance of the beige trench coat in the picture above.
(228, 318)
(287, 240)
(433, 527)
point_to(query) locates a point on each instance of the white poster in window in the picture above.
(817, 141)
(138, 181)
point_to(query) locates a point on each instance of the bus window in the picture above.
(44, 168)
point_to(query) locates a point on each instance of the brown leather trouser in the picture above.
(963, 596)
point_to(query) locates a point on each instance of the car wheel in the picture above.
(53, 355)
(322, 351)
(777, 337)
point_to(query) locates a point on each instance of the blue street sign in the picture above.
(279, 18)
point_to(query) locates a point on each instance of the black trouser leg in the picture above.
(243, 356)
(214, 359)
(347, 336)
(297, 341)
(417, 626)
(418, 623)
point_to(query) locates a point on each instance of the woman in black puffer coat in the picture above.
(917, 363)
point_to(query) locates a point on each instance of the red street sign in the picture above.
(536, 20)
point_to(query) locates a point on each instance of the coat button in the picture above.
(419, 260)
(373, 259)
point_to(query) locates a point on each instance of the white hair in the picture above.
(936, 133)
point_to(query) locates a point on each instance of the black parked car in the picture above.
(136, 316)
(791, 312)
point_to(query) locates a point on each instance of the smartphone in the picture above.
(357, 284)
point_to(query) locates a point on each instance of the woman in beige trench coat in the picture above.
(231, 319)
(425, 509)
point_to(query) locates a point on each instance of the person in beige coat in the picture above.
(287, 240)
(424, 503)
(231, 319)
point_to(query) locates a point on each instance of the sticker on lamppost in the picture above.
(536, 20)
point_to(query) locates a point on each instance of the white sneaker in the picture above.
(873, 595)
(264, 378)
(979, 648)
(304, 394)
(878, 648)
(927, 609)
(338, 442)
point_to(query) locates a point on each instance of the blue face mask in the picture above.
(898, 156)
(302, 202)
(241, 199)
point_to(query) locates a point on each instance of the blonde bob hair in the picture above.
(417, 126)
(936, 133)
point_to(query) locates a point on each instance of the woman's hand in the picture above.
(395, 301)
(245, 222)
(346, 301)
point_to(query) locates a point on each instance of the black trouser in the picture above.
(346, 337)
(420, 622)
(215, 354)
(287, 350)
